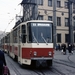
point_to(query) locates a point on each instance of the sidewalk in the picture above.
(59, 56)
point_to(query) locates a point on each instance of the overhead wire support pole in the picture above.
(70, 20)
(54, 22)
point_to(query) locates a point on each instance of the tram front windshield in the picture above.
(40, 32)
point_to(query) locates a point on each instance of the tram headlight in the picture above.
(35, 53)
(50, 53)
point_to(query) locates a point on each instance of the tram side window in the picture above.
(5, 39)
(23, 33)
(29, 32)
(15, 36)
(8, 38)
(18, 34)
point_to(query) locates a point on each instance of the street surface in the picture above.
(62, 65)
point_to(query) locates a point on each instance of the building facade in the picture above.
(43, 9)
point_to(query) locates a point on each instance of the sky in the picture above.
(8, 11)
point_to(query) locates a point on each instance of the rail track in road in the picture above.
(48, 71)
(66, 69)
(69, 63)
(70, 59)
(37, 71)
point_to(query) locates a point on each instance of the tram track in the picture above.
(39, 71)
(45, 71)
(69, 63)
(70, 59)
(64, 69)
(32, 71)
(58, 72)
(51, 70)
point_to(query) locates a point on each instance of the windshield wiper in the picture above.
(34, 37)
(43, 38)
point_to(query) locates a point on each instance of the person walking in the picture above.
(63, 48)
(70, 48)
(2, 62)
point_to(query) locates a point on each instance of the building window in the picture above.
(66, 38)
(58, 4)
(73, 5)
(50, 18)
(58, 21)
(59, 38)
(74, 8)
(49, 2)
(40, 2)
(66, 5)
(40, 17)
(66, 22)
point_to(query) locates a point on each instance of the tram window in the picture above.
(23, 29)
(40, 32)
(23, 38)
(15, 36)
(23, 33)
(8, 40)
(18, 34)
(29, 32)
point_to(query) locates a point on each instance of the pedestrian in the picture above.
(63, 48)
(70, 48)
(2, 62)
(59, 47)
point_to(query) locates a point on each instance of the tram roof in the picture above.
(37, 21)
(32, 21)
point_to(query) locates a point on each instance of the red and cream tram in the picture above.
(31, 42)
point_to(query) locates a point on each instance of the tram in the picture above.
(31, 43)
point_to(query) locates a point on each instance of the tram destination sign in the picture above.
(73, 1)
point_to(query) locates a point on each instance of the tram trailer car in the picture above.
(4, 44)
(5, 41)
(31, 43)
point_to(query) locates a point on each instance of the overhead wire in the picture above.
(4, 32)
(11, 21)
